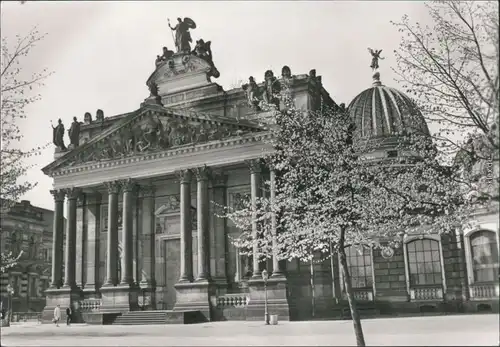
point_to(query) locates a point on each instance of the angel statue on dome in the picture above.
(375, 57)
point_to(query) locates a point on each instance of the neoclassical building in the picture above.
(142, 190)
(26, 230)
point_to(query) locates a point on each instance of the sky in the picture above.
(101, 53)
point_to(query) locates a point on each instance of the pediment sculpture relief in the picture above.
(153, 134)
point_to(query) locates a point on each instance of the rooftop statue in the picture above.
(272, 89)
(58, 135)
(253, 93)
(182, 34)
(74, 133)
(375, 57)
(204, 51)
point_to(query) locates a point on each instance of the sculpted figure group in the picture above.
(183, 41)
(73, 131)
(154, 135)
(271, 92)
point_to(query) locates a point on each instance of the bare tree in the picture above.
(451, 68)
(17, 92)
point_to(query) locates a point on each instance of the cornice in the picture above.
(149, 157)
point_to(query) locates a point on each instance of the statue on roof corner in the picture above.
(204, 51)
(182, 34)
(375, 57)
(58, 135)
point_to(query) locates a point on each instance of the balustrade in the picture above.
(484, 291)
(426, 293)
(232, 300)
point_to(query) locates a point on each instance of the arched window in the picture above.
(359, 261)
(424, 262)
(484, 254)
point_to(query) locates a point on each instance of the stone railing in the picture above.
(90, 305)
(426, 293)
(232, 300)
(484, 291)
(360, 295)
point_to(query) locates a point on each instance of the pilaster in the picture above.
(93, 218)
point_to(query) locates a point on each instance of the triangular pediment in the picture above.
(152, 129)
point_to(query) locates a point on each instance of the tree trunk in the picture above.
(313, 293)
(356, 321)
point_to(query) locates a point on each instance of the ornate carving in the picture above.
(254, 165)
(202, 173)
(58, 194)
(172, 203)
(99, 115)
(185, 176)
(58, 135)
(74, 133)
(113, 187)
(73, 193)
(375, 57)
(128, 185)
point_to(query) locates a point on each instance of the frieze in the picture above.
(144, 157)
(156, 133)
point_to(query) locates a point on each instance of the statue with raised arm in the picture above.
(182, 34)
(74, 133)
(375, 57)
(58, 135)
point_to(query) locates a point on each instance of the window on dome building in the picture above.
(424, 262)
(360, 266)
(484, 253)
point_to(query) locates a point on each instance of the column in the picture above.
(69, 269)
(255, 178)
(57, 238)
(218, 226)
(203, 224)
(186, 227)
(277, 271)
(80, 253)
(93, 217)
(147, 217)
(127, 232)
(112, 254)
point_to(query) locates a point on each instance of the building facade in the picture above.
(143, 189)
(27, 230)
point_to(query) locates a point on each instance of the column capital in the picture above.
(128, 185)
(184, 176)
(58, 194)
(255, 165)
(73, 193)
(113, 187)
(202, 173)
(219, 178)
(146, 191)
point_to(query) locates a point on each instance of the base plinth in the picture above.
(120, 298)
(64, 297)
(196, 296)
(277, 303)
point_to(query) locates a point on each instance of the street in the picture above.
(463, 330)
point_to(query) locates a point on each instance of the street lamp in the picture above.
(265, 276)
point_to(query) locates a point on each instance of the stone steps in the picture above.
(157, 317)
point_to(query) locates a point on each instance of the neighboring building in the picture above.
(142, 189)
(28, 229)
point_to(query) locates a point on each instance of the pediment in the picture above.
(149, 130)
(178, 66)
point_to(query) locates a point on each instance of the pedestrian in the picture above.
(57, 315)
(69, 314)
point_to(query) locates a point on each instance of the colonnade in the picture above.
(128, 189)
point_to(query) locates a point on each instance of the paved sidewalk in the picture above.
(466, 330)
